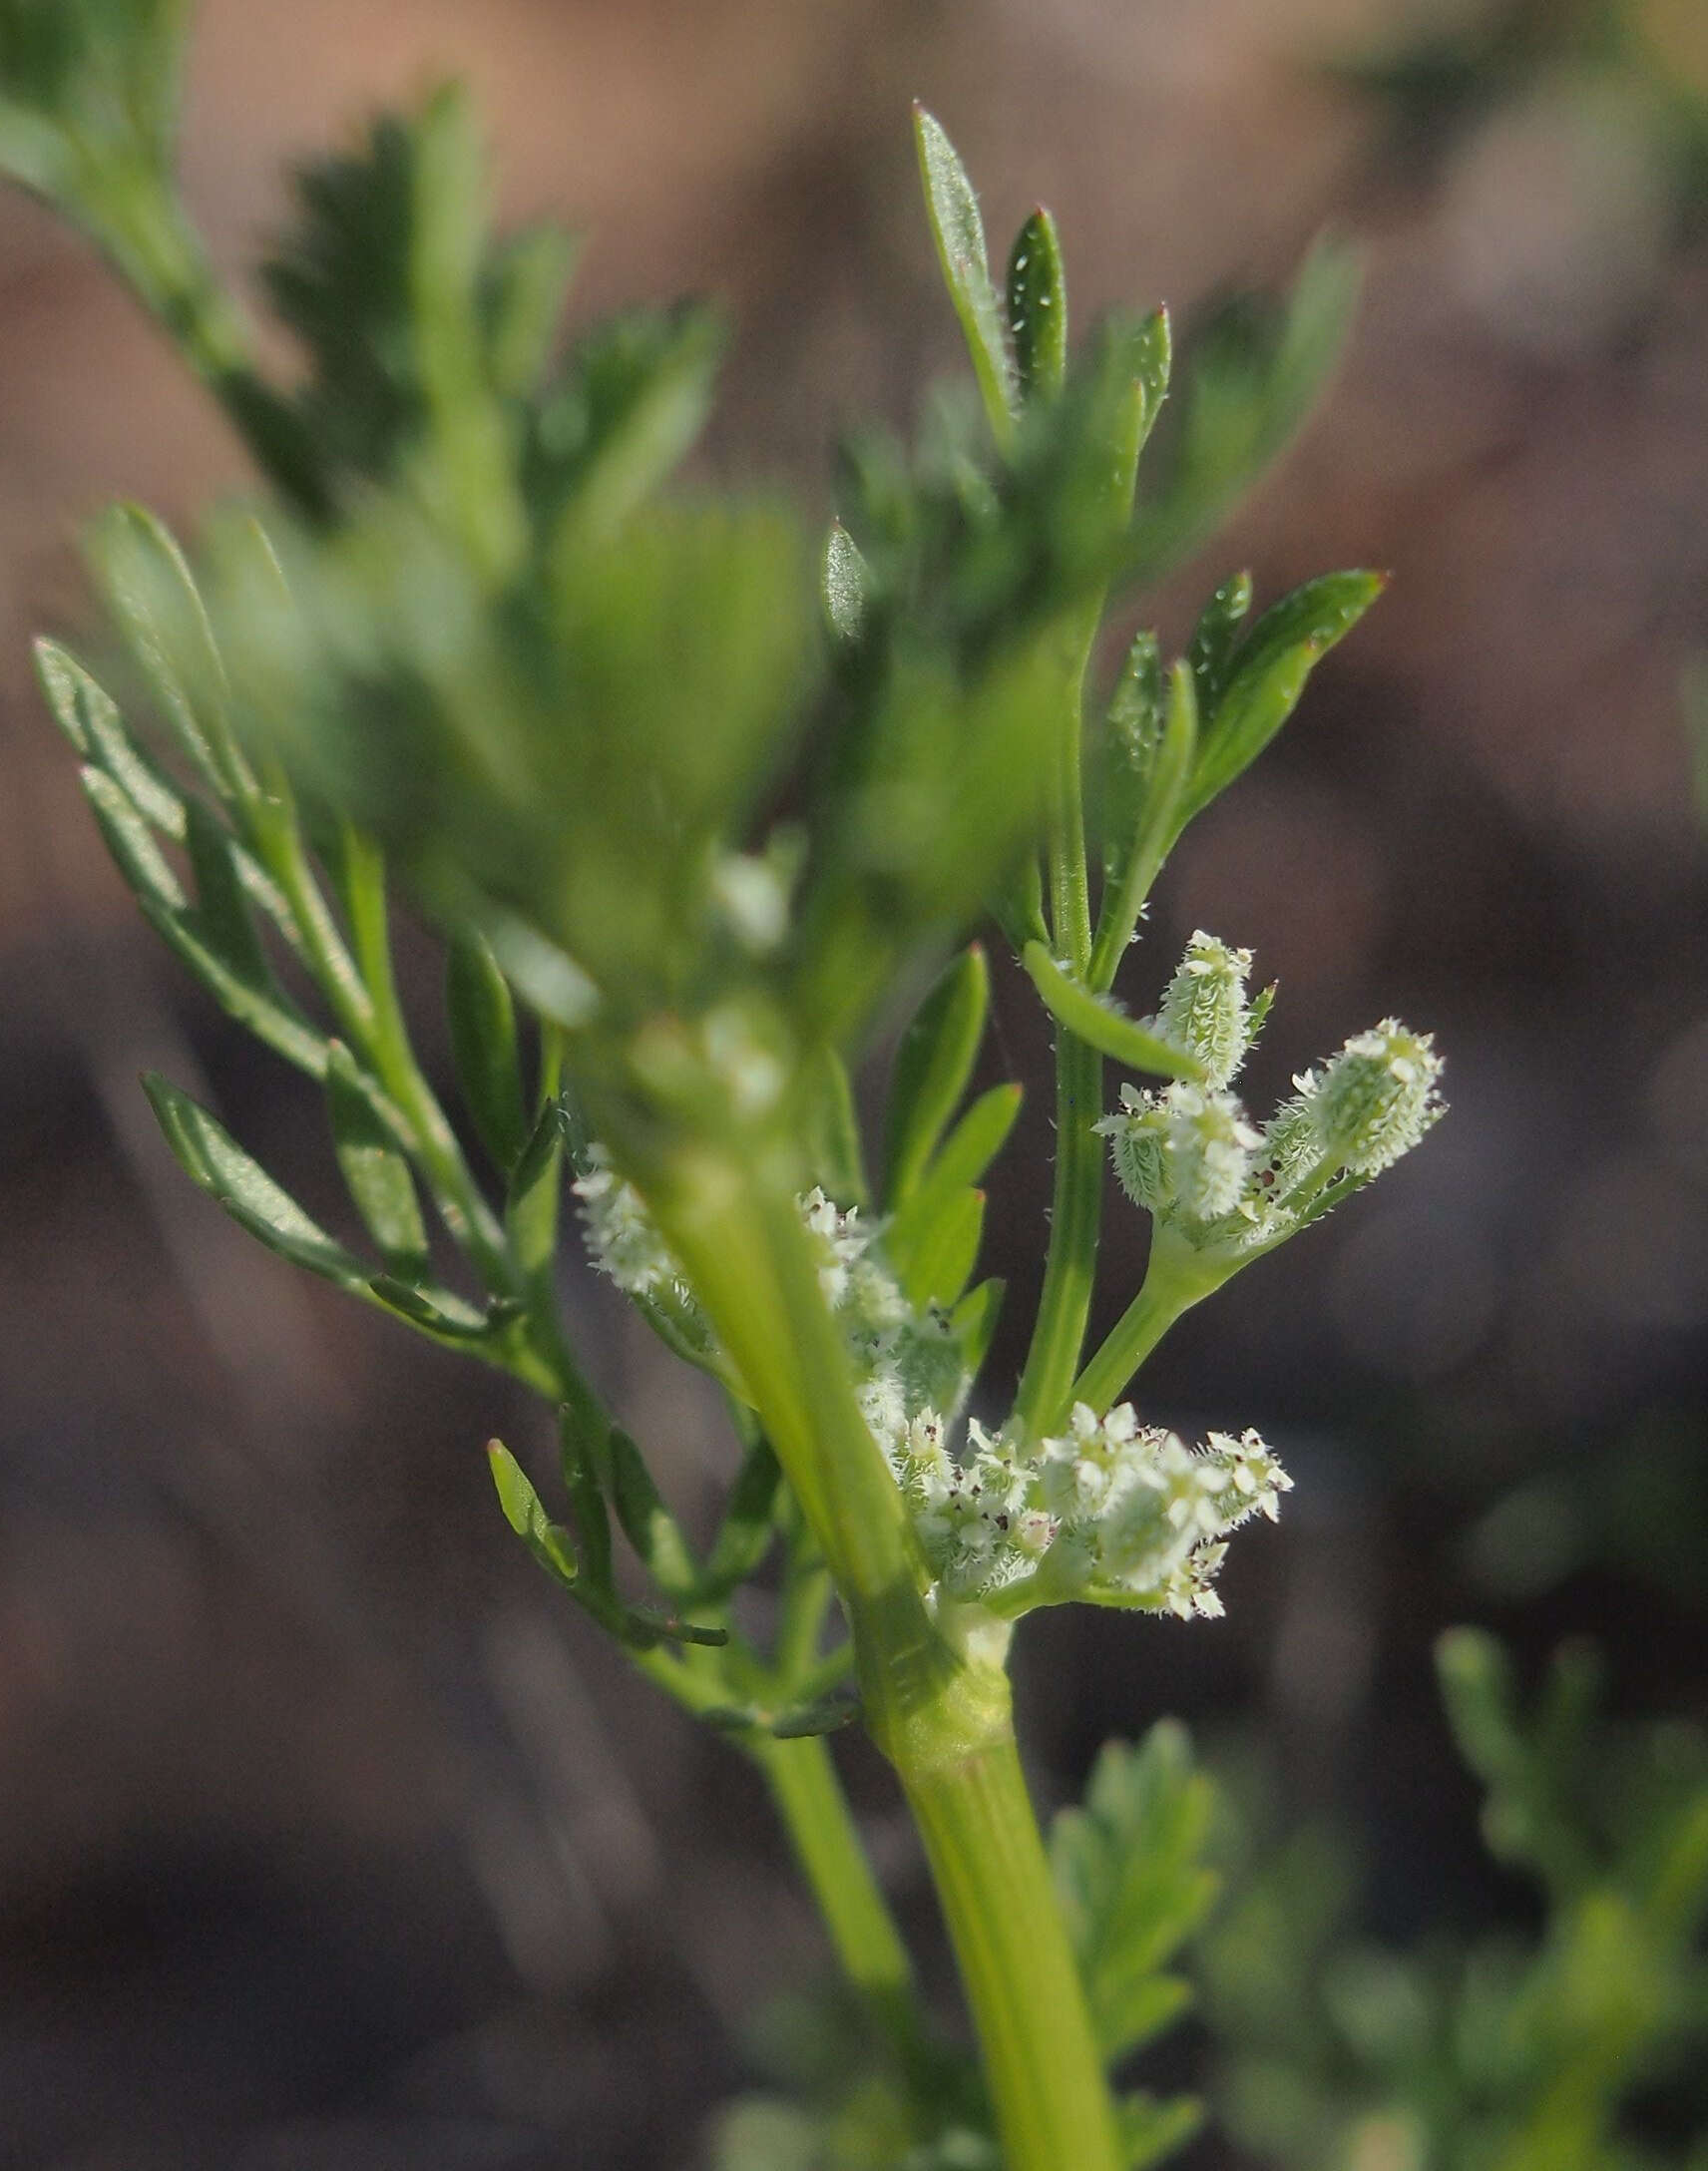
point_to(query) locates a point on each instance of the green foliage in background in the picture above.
(1636, 69)
(1577, 2047)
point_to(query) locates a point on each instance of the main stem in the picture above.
(1045, 2077)
(941, 1715)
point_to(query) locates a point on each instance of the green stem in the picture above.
(1046, 2081)
(1077, 1208)
(806, 1599)
(142, 228)
(738, 1234)
(821, 1830)
(1070, 1268)
(1070, 885)
(467, 1215)
(944, 1722)
(1168, 1290)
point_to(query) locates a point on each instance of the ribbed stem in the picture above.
(1045, 2078)
(1075, 1213)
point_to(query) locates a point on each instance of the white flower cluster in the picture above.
(622, 1236)
(905, 1362)
(1113, 1510)
(1191, 1156)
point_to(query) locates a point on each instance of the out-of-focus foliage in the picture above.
(1646, 61)
(1576, 2048)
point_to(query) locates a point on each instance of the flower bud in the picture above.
(1376, 1098)
(1204, 1009)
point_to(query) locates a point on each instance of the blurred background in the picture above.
(328, 1840)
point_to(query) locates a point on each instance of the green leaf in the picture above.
(635, 399)
(1134, 2011)
(583, 1457)
(1152, 2127)
(1268, 674)
(1132, 741)
(1480, 1695)
(536, 1187)
(546, 1540)
(211, 1157)
(959, 232)
(845, 582)
(1100, 427)
(88, 87)
(976, 1140)
(92, 723)
(1037, 308)
(934, 1062)
(375, 1173)
(748, 1528)
(1215, 639)
(440, 1313)
(824, 1715)
(647, 1522)
(1255, 372)
(943, 1261)
(222, 918)
(1129, 1871)
(547, 978)
(484, 1048)
(974, 1320)
(150, 589)
(1149, 749)
(90, 720)
(1100, 1024)
(1152, 365)
(157, 890)
(269, 1016)
(128, 837)
(1017, 908)
(832, 1130)
(969, 1150)
(341, 283)
(524, 288)
(644, 1626)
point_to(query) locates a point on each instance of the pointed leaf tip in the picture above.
(951, 209)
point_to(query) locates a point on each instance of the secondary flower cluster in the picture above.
(1110, 1511)
(904, 1361)
(1113, 1510)
(1190, 1155)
